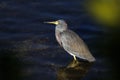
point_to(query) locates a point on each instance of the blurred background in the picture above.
(28, 48)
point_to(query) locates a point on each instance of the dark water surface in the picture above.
(28, 48)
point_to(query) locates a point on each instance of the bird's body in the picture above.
(71, 42)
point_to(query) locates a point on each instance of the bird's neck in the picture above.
(59, 30)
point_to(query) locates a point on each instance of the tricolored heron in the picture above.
(71, 42)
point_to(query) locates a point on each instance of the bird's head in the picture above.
(60, 24)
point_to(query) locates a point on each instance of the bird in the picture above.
(71, 42)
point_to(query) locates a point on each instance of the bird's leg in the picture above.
(74, 57)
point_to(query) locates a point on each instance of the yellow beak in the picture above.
(53, 22)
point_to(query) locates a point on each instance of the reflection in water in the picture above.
(74, 71)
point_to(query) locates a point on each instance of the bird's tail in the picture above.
(87, 57)
(91, 59)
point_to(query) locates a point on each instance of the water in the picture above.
(28, 48)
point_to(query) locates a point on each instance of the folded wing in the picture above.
(73, 44)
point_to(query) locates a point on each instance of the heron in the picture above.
(71, 42)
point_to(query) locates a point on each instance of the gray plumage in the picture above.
(71, 42)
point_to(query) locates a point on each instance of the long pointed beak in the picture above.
(53, 22)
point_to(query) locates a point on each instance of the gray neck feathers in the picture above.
(60, 28)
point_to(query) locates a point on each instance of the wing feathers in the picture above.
(74, 45)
